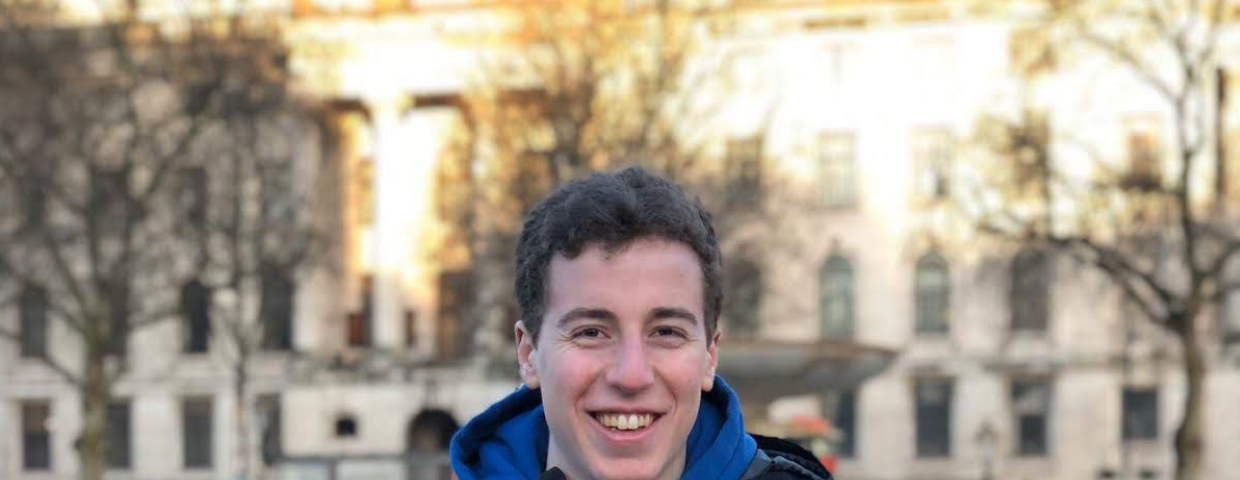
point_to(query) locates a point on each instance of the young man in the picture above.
(619, 288)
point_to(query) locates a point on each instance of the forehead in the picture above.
(649, 269)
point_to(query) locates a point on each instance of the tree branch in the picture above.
(61, 369)
(1215, 20)
(1225, 290)
(1114, 259)
(70, 282)
(1129, 290)
(1127, 57)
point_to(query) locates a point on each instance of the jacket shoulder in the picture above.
(785, 460)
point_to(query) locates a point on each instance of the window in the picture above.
(270, 428)
(743, 299)
(1145, 166)
(837, 175)
(932, 152)
(934, 417)
(36, 437)
(744, 164)
(118, 435)
(276, 308)
(836, 297)
(197, 432)
(1140, 414)
(456, 295)
(841, 408)
(1029, 294)
(1227, 311)
(33, 312)
(196, 313)
(410, 318)
(346, 426)
(1031, 399)
(933, 293)
(358, 333)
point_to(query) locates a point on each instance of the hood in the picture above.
(509, 440)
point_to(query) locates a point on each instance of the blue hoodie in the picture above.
(509, 440)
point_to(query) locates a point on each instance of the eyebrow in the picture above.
(672, 312)
(607, 315)
(580, 313)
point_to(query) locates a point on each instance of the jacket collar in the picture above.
(509, 440)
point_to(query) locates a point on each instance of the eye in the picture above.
(588, 332)
(668, 336)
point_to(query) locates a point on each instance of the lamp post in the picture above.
(986, 439)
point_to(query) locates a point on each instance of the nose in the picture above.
(631, 370)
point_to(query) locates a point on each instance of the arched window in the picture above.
(836, 297)
(1029, 293)
(932, 284)
(32, 308)
(428, 437)
(276, 308)
(196, 313)
(431, 431)
(743, 299)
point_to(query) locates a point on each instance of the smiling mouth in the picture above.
(625, 421)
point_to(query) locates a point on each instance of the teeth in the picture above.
(620, 421)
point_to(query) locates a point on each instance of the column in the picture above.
(408, 146)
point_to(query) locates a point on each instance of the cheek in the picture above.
(683, 371)
(570, 373)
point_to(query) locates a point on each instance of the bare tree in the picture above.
(1150, 221)
(265, 225)
(106, 132)
(260, 240)
(585, 86)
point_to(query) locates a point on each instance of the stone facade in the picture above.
(879, 85)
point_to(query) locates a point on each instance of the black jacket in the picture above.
(777, 459)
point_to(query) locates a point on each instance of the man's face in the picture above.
(621, 360)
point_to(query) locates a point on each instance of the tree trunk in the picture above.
(96, 391)
(1220, 138)
(1189, 438)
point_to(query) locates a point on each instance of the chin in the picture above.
(629, 469)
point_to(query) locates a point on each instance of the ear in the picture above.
(712, 357)
(526, 356)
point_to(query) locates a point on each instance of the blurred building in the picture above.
(1011, 364)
